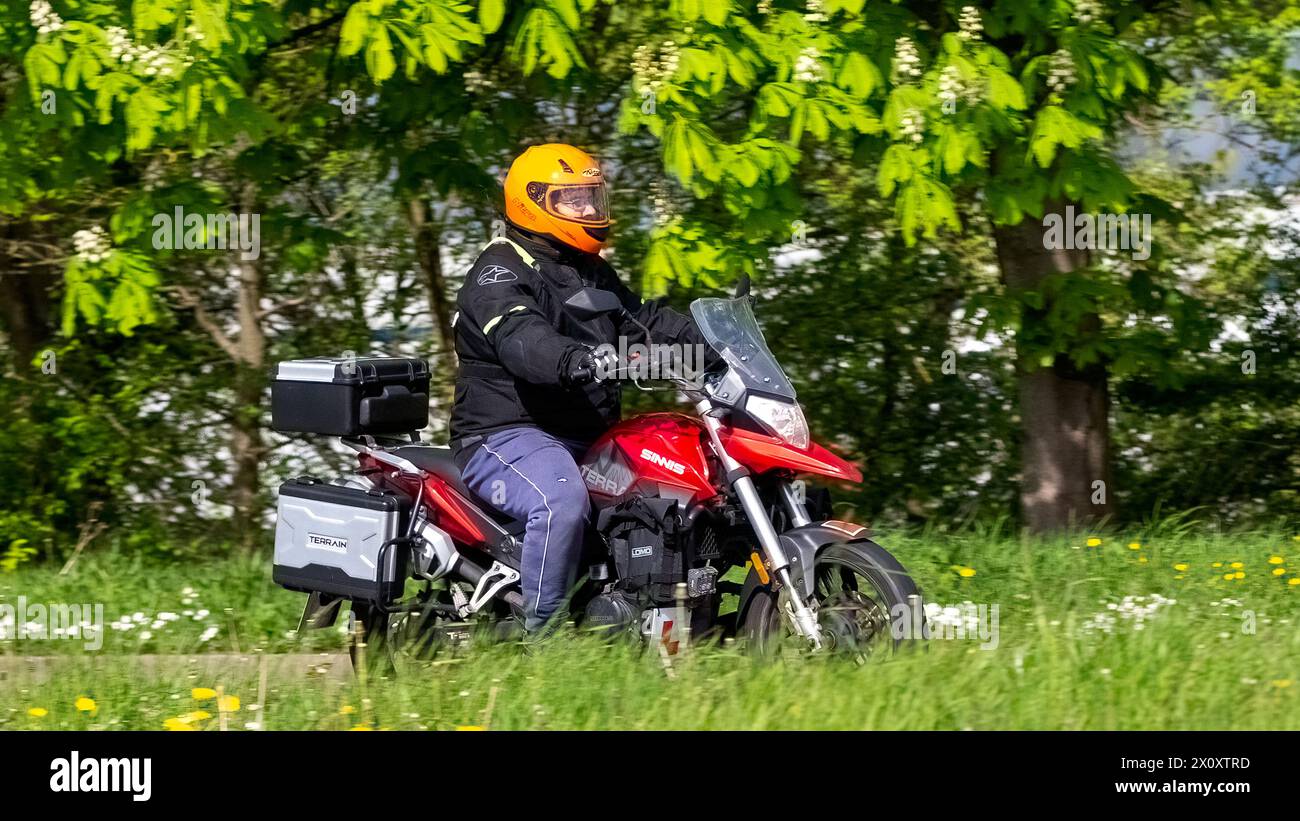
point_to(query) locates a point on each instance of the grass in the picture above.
(1216, 650)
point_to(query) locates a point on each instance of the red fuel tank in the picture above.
(656, 453)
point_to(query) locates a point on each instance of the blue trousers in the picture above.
(532, 475)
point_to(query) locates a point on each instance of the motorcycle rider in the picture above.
(532, 393)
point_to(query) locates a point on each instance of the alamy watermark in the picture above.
(69, 622)
(192, 231)
(1098, 232)
(640, 361)
(73, 773)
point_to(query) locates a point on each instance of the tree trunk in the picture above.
(427, 240)
(246, 445)
(1064, 410)
(25, 303)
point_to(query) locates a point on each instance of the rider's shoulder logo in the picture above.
(494, 274)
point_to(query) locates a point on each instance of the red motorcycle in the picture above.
(700, 523)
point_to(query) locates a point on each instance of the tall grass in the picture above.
(1189, 649)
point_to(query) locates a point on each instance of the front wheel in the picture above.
(862, 597)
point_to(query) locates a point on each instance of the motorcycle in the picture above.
(685, 506)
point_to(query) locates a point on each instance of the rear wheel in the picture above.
(861, 594)
(389, 643)
(368, 644)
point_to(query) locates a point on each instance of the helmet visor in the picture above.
(583, 203)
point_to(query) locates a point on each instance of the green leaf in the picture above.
(490, 15)
(1056, 126)
(379, 55)
(858, 75)
(353, 34)
(895, 167)
(716, 11)
(953, 144)
(1005, 91)
(677, 150)
(41, 64)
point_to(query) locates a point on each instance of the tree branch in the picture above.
(223, 340)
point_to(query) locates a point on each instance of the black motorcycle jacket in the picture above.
(516, 342)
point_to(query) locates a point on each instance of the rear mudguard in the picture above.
(801, 545)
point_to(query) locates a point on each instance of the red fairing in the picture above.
(761, 452)
(664, 448)
(451, 514)
(447, 510)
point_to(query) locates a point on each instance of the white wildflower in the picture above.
(912, 125)
(1086, 11)
(652, 67)
(969, 24)
(951, 86)
(92, 245)
(907, 61)
(661, 204)
(807, 69)
(816, 12)
(1136, 611)
(44, 17)
(1060, 73)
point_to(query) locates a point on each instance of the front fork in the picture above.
(805, 620)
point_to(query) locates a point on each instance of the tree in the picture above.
(1014, 111)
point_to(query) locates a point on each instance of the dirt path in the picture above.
(208, 666)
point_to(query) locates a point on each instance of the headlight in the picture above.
(785, 419)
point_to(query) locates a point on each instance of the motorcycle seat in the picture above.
(437, 459)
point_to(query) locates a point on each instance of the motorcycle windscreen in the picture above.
(730, 327)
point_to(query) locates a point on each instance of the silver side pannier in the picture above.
(341, 541)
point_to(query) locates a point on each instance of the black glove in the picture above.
(582, 367)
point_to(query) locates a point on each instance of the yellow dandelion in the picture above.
(469, 727)
(1282, 683)
(347, 710)
(965, 572)
(1279, 571)
(1239, 575)
(1228, 576)
(202, 693)
(228, 704)
(1181, 567)
(1094, 542)
(1275, 560)
(1236, 565)
(85, 705)
(38, 712)
(1142, 559)
(360, 728)
(1134, 545)
(1217, 564)
(1293, 581)
(176, 725)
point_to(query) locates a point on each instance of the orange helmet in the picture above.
(559, 191)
